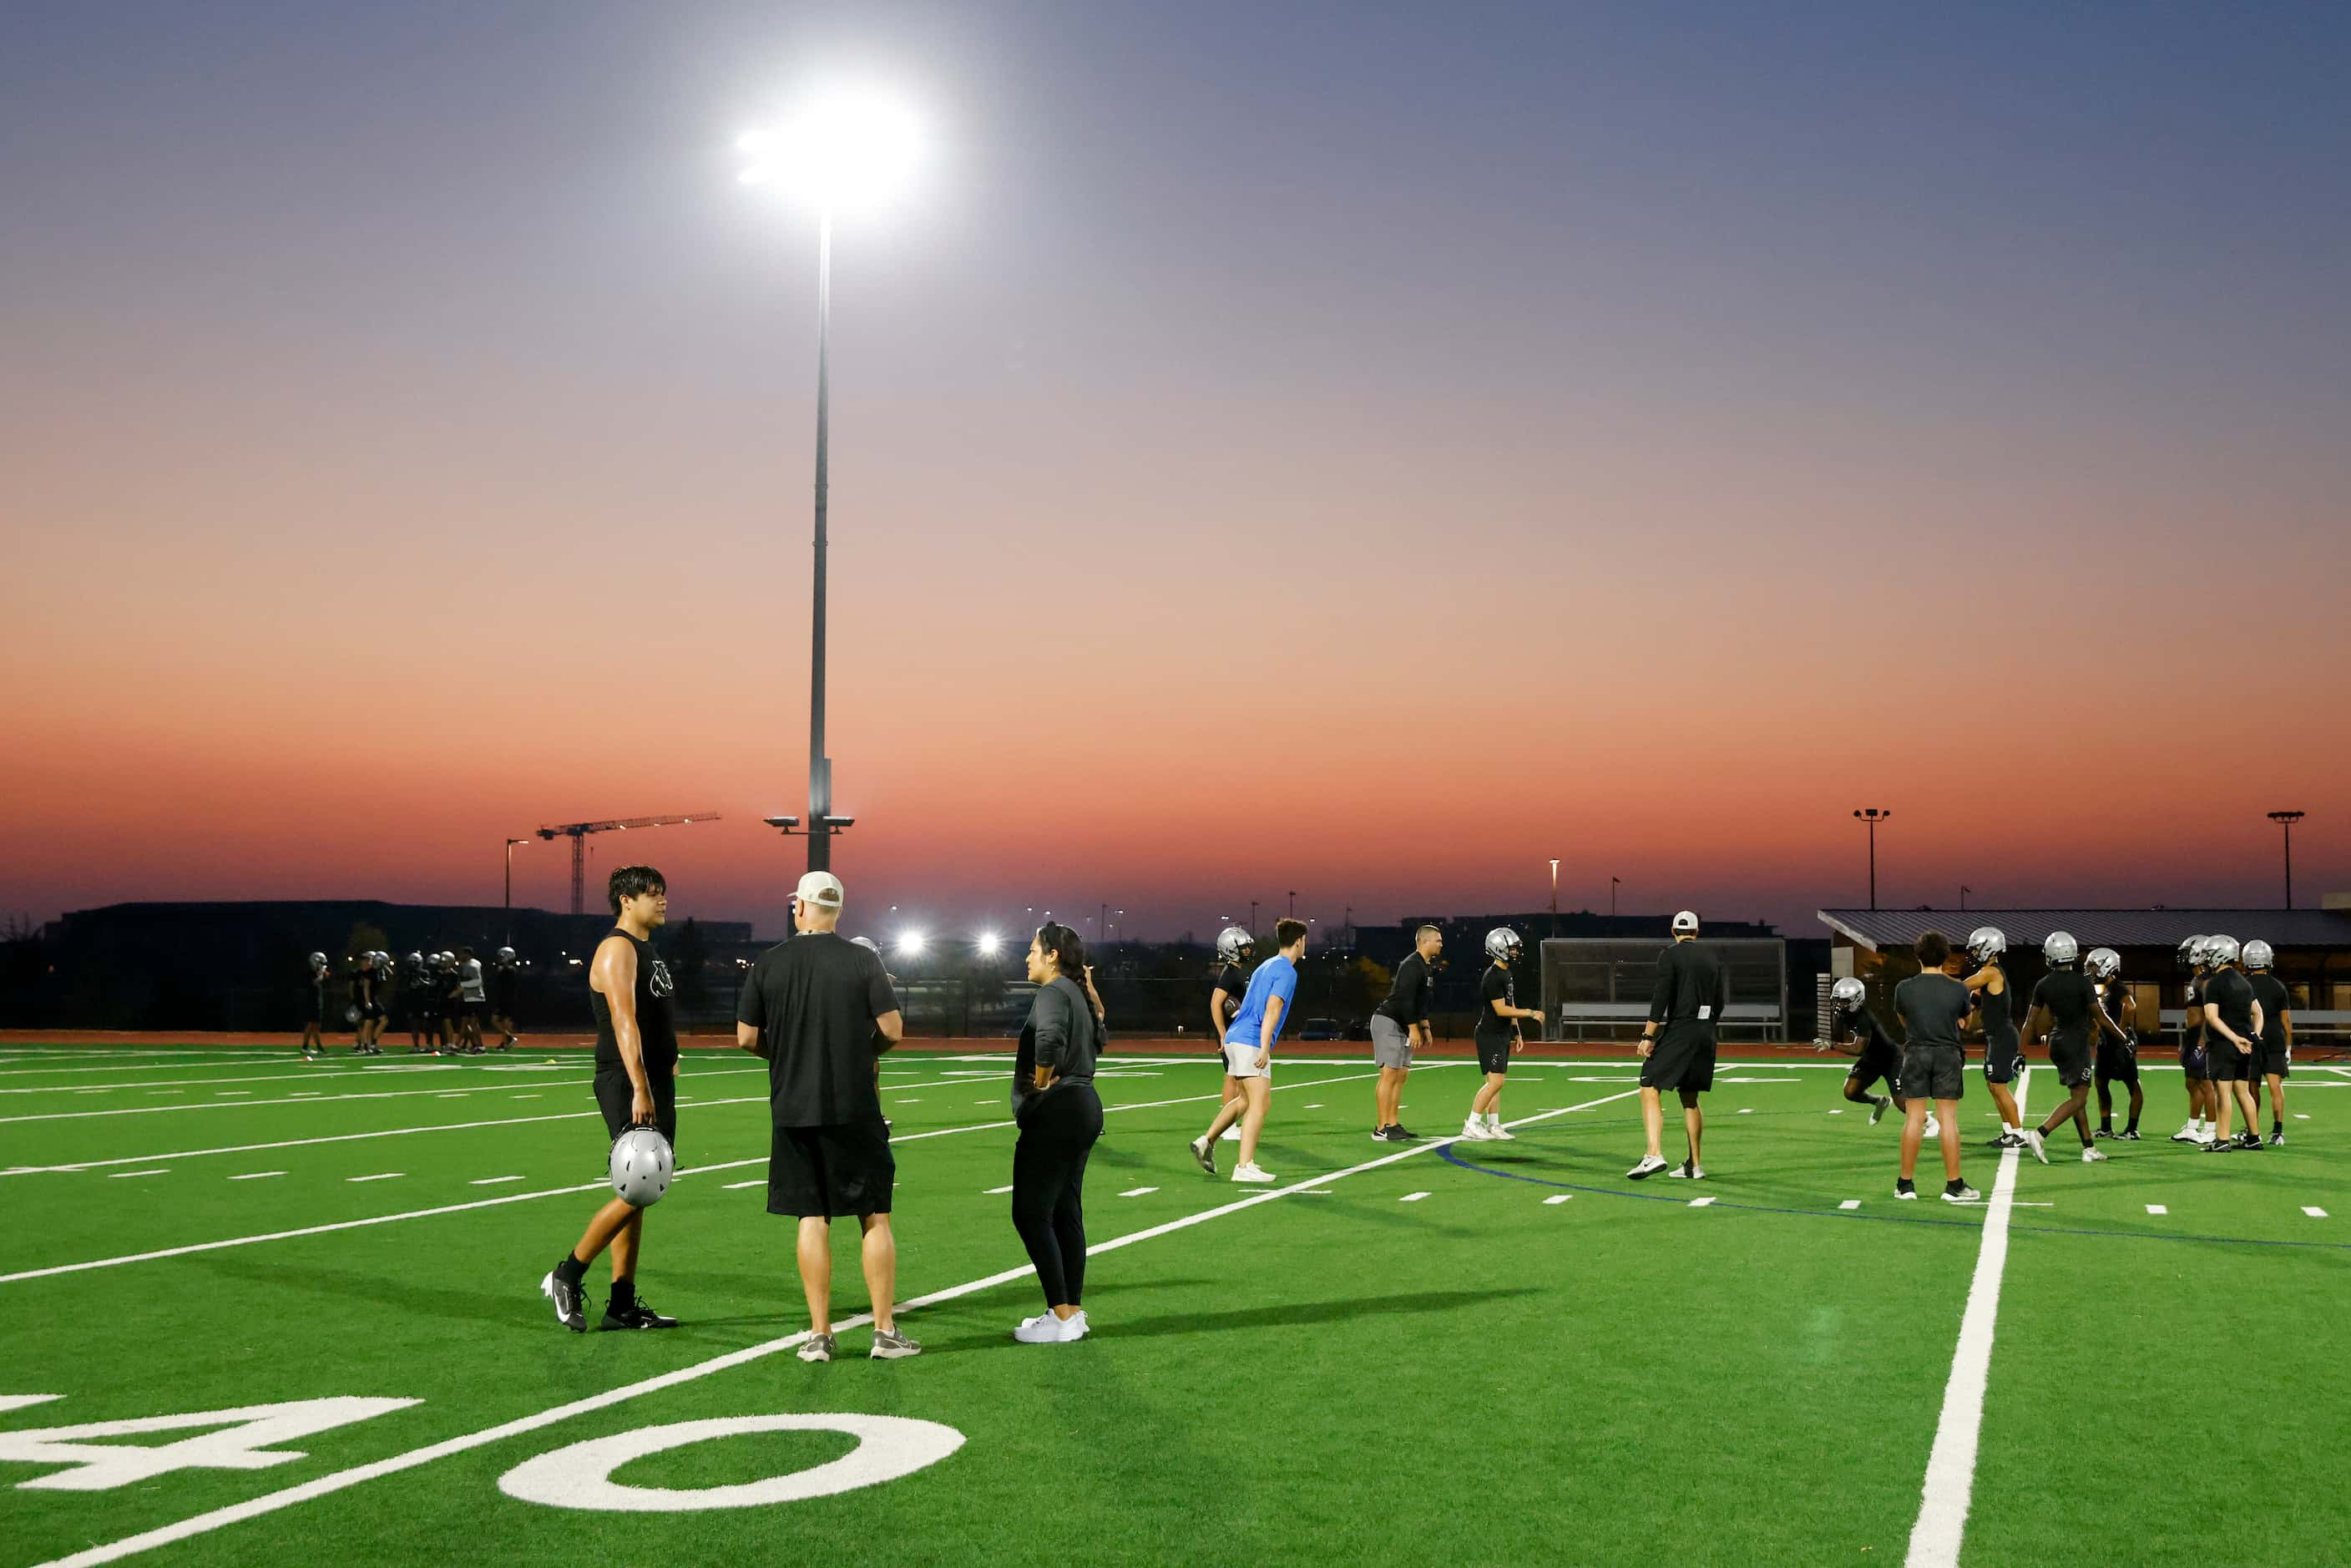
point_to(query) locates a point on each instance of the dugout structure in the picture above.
(1598, 988)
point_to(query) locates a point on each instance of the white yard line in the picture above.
(1951, 1465)
(340, 1480)
(545, 1192)
(492, 1181)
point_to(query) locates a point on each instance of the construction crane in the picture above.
(578, 834)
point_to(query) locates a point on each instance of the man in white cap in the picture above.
(817, 1009)
(1677, 1046)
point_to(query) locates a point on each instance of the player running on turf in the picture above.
(2274, 1052)
(630, 991)
(2195, 1060)
(2065, 1010)
(1876, 1056)
(1930, 1006)
(2232, 1019)
(1248, 1051)
(2117, 1059)
(1497, 1038)
(2003, 1055)
(1677, 1046)
(1234, 948)
(1399, 1024)
(506, 978)
(314, 1039)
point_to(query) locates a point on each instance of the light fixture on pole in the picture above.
(1613, 883)
(1872, 816)
(842, 151)
(1554, 898)
(508, 937)
(2286, 820)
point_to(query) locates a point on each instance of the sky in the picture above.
(1364, 451)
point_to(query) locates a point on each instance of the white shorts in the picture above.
(1241, 1062)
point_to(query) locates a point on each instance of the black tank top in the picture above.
(657, 1027)
(2000, 1016)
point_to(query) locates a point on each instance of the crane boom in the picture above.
(578, 834)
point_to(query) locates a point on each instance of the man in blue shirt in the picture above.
(1249, 1052)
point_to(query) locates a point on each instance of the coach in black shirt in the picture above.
(1400, 1023)
(819, 1008)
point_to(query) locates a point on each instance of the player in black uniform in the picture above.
(2065, 1010)
(506, 978)
(314, 1039)
(2274, 1052)
(2194, 1063)
(1931, 1006)
(628, 990)
(2232, 1020)
(1677, 1046)
(363, 1006)
(1497, 1038)
(2117, 1059)
(1877, 1057)
(1399, 1024)
(1235, 949)
(2003, 1056)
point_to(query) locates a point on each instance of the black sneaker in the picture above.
(569, 1299)
(2249, 1140)
(1961, 1192)
(2105, 1133)
(2277, 1137)
(635, 1315)
(2218, 1145)
(1382, 1135)
(2128, 1135)
(1906, 1190)
(1399, 1133)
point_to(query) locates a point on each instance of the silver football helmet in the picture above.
(2191, 952)
(642, 1163)
(1502, 945)
(867, 943)
(318, 960)
(2219, 952)
(1235, 945)
(506, 954)
(2103, 963)
(1848, 995)
(1986, 942)
(2259, 955)
(2059, 948)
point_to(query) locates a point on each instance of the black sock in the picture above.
(624, 1294)
(2132, 1127)
(570, 1271)
(2107, 1122)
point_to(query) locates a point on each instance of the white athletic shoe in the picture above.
(1933, 1128)
(1877, 1109)
(1075, 1326)
(1475, 1131)
(2091, 1156)
(1232, 1135)
(1689, 1170)
(1043, 1329)
(1500, 1133)
(1252, 1175)
(1650, 1165)
(2032, 1142)
(2190, 1132)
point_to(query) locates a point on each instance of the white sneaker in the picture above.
(1475, 1131)
(1500, 1133)
(1252, 1173)
(2032, 1142)
(1650, 1164)
(1232, 1135)
(2190, 1132)
(1075, 1327)
(1877, 1109)
(2091, 1156)
(1933, 1128)
(1042, 1329)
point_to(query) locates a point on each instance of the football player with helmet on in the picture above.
(314, 1039)
(2232, 1019)
(2003, 1056)
(1235, 949)
(2273, 1051)
(2065, 1010)
(1877, 1057)
(2194, 1063)
(2117, 1059)
(1497, 1035)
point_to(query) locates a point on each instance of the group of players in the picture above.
(2238, 1035)
(442, 998)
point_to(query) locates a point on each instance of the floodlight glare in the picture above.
(989, 942)
(912, 942)
(844, 148)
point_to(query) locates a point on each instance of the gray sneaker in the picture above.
(820, 1347)
(1205, 1153)
(889, 1344)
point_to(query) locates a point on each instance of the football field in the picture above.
(262, 1310)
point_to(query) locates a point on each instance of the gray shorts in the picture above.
(1391, 1042)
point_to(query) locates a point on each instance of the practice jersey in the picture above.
(2072, 1001)
(2230, 996)
(2194, 1033)
(656, 1024)
(2276, 1002)
(1498, 985)
(1997, 1015)
(1234, 983)
(1930, 1008)
(1862, 1025)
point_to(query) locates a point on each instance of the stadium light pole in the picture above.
(2286, 820)
(508, 938)
(1613, 883)
(1872, 816)
(1554, 898)
(843, 150)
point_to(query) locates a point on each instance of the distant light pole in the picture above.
(2286, 820)
(1554, 898)
(1253, 902)
(1964, 890)
(1872, 816)
(509, 904)
(1612, 897)
(1293, 903)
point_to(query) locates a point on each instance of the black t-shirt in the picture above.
(2230, 996)
(364, 984)
(1690, 981)
(503, 980)
(1863, 1026)
(656, 1023)
(1408, 1002)
(1930, 1008)
(815, 1000)
(1498, 985)
(2071, 999)
(2276, 1002)
(1234, 982)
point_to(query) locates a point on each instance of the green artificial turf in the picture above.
(1334, 1375)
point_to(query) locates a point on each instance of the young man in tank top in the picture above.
(1996, 1014)
(630, 991)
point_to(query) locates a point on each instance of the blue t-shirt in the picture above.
(1277, 977)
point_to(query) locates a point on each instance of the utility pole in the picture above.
(1872, 816)
(1612, 901)
(508, 938)
(1554, 898)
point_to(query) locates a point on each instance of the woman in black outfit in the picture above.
(1060, 1117)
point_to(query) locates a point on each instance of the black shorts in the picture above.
(1493, 1055)
(834, 1171)
(1682, 1059)
(2001, 1058)
(613, 1097)
(2069, 1055)
(1874, 1065)
(2117, 1064)
(2226, 1064)
(1934, 1072)
(2272, 1061)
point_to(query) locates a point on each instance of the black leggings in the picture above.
(1048, 1178)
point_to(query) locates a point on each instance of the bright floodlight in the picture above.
(912, 942)
(989, 943)
(842, 150)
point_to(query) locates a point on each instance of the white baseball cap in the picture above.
(1685, 921)
(820, 888)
